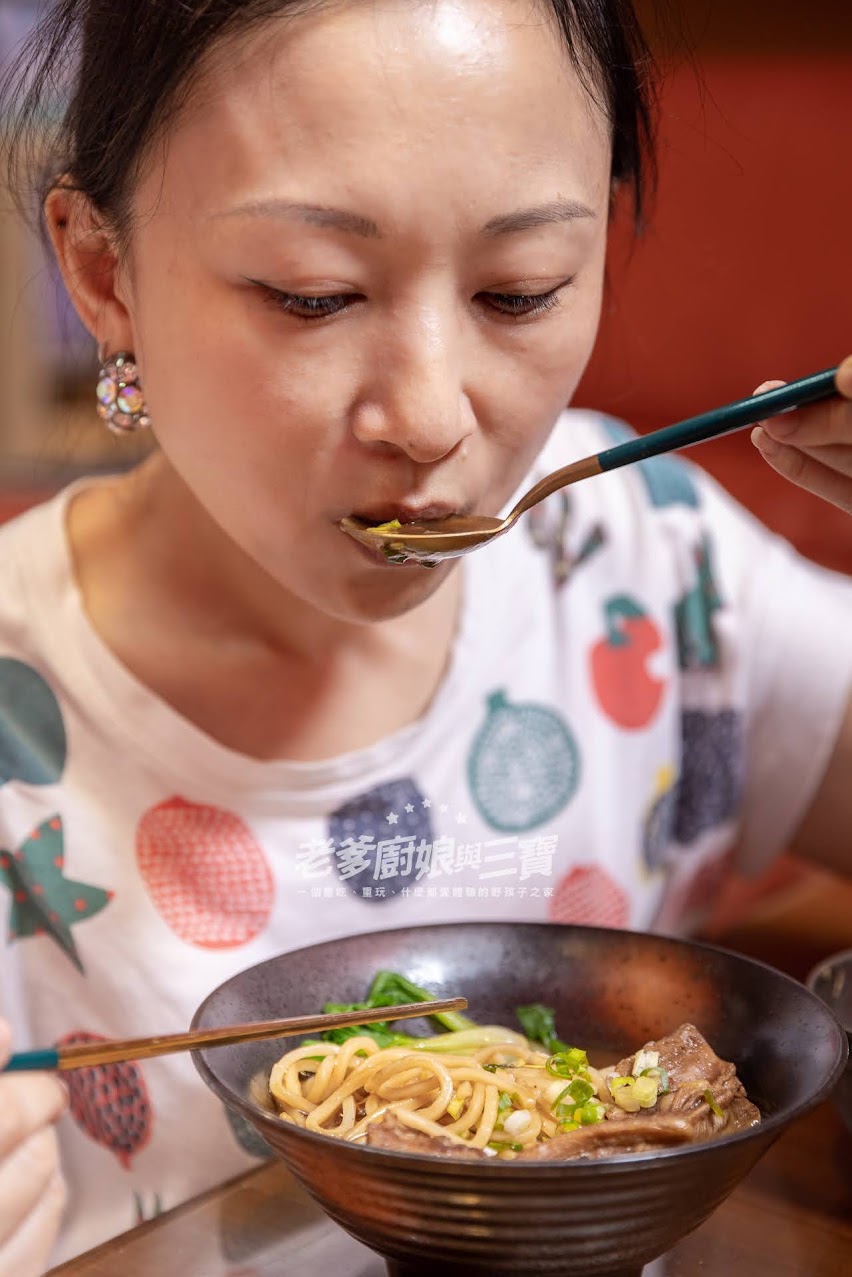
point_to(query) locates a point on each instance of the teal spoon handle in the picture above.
(732, 416)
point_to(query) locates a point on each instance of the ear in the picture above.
(88, 259)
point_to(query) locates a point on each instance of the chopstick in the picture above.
(89, 1054)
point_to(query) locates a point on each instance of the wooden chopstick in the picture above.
(88, 1054)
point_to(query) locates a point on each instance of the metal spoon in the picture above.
(429, 543)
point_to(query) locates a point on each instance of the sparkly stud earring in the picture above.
(120, 400)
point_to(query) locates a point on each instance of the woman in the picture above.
(348, 259)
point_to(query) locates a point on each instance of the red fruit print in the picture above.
(109, 1102)
(588, 896)
(626, 691)
(207, 876)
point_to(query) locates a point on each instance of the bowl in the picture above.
(832, 981)
(610, 989)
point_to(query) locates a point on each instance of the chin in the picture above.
(389, 592)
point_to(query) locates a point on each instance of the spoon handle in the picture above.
(732, 416)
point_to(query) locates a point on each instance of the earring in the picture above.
(121, 403)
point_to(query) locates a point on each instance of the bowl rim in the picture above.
(769, 1126)
(843, 957)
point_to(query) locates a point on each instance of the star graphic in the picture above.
(391, 818)
(44, 901)
(444, 807)
(427, 802)
(409, 807)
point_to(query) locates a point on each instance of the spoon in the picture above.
(428, 543)
(88, 1054)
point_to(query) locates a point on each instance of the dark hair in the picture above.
(106, 131)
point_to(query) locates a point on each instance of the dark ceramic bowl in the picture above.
(832, 981)
(611, 989)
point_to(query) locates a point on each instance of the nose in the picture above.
(414, 398)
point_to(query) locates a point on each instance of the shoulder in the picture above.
(33, 572)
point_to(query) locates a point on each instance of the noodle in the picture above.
(487, 1089)
(341, 1089)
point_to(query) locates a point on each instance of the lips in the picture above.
(405, 513)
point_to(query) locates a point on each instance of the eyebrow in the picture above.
(522, 219)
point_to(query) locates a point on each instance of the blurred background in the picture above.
(743, 273)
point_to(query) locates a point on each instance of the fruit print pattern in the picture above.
(710, 781)
(524, 765)
(44, 901)
(33, 746)
(206, 874)
(667, 479)
(659, 822)
(395, 814)
(697, 645)
(110, 1102)
(627, 693)
(587, 895)
(554, 539)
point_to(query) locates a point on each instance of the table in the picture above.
(792, 1217)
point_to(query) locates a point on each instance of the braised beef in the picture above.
(683, 1116)
(390, 1133)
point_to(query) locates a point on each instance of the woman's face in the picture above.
(366, 277)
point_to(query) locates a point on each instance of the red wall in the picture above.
(745, 272)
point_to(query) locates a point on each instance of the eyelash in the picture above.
(513, 305)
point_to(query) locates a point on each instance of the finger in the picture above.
(820, 425)
(28, 1102)
(24, 1177)
(805, 470)
(27, 1252)
(5, 1041)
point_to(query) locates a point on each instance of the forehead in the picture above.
(365, 94)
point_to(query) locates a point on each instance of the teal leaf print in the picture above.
(44, 901)
(32, 733)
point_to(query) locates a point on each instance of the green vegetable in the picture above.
(567, 1063)
(499, 1145)
(388, 989)
(661, 1077)
(538, 1025)
(591, 1113)
(568, 1126)
(711, 1100)
(504, 1101)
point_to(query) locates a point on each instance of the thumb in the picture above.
(843, 380)
(5, 1041)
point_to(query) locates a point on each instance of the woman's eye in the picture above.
(521, 304)
(307, 307)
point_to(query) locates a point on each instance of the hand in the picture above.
(813, 446)
(32, 1191)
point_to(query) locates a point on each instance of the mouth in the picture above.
(405, 513)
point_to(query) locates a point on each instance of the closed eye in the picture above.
(306, 307)
(520, 305)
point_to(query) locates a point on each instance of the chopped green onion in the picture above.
(565, 1127)
(645, 1091)
(500, 1145)
(504, 1101)
(662, 1076)
(644, 1060)
(712, 1101)
(580, 1090)
(567, 1063)
(591, 1113)
(455, 1107)
(623, 1093)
